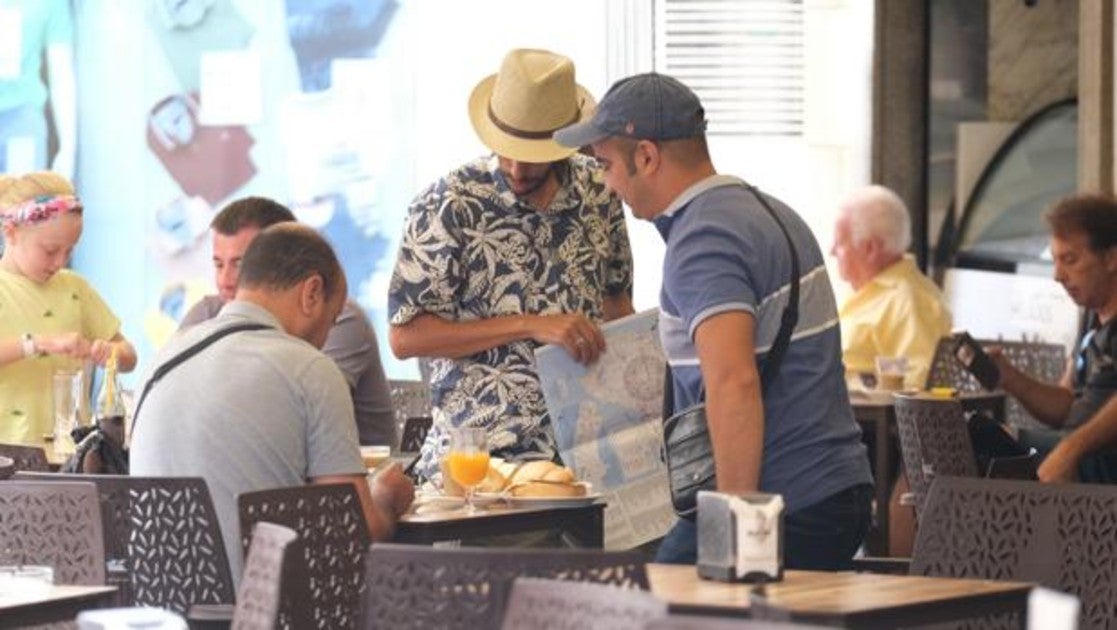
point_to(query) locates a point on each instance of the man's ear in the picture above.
(312, 294)
(1109, 259)
(647, 156)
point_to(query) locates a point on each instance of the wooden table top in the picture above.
(869, 399)
(11, 601)
(822, 594)
(495, 509)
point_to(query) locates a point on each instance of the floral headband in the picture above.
(39, 209)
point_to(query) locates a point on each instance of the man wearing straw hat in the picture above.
(510, 251)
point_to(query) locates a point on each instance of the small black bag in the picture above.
(100, 449)
(687, 449)
(690, 458)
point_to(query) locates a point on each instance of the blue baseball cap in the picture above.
(647, 106)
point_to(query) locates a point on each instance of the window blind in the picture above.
(744, 58)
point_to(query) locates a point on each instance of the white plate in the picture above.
(434, 501)
(553, 502)
(485, 498)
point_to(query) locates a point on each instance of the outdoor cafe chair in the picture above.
(53, 524)
(935, 440)
(260, 587)
(162, 541)
(31, 458)
(1042, 361)
(411, 586)
(1060, 536)
(545, 604)
(415, 429)
(327, 567)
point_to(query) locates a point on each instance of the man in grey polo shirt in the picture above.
(726, 274)
(351, 342)
(264, 408)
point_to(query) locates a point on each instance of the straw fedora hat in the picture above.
(515, 111)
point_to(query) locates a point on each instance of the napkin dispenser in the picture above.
(740, 537)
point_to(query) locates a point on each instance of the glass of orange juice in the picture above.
(468, 461)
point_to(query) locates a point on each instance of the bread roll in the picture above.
(494, 481)
(543, 489)
(542, 478)
(539, 470)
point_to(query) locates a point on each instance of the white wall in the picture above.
(415, 126)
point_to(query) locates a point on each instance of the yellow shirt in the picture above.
(65, 303)
(899, 313)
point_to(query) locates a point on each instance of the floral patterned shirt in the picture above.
(472, 250)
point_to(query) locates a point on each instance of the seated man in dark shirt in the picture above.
(1082, 405)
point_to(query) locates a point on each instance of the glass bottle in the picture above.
(109, 411)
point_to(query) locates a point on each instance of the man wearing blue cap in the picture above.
(726, 274)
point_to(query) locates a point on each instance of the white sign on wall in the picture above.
(993, 305)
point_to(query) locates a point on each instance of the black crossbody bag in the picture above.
(100, 448)
(686, 437)
(181, 357)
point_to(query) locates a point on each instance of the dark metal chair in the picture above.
(259, 593)
(327, 571)
(467, 588)
(7, 467)
(54, 524)
(543, 604)
(1043, 361)
(415, 431)
(1060, 536)
(934, 440)
(162, 541)
(31, 458)
(410, 399)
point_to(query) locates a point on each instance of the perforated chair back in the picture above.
(163, 544)
(417, 587)
(259, 592)
(53, 524)
(543, 604)
(31, 458)
(1062, 536)
(1042, 361)
(327, 572)
(415, 431)
(410, 399)
(934, 441)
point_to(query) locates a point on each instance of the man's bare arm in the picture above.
(431, 336)
(383, 511)
(734, 409)
(1047, 402)
(1099, 432)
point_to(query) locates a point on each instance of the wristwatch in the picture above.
(28, 343)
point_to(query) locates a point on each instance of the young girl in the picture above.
(50, 317)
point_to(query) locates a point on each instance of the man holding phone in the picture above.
(1082, 406)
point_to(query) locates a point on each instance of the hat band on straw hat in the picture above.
(532, 135)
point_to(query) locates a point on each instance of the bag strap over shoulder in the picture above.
(788, 319)
(790, 312)
(181, 357)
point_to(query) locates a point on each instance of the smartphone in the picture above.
(410, 471)
(969, 353)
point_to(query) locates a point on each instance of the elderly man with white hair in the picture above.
(895, 310)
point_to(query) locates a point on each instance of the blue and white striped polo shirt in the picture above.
(725, 253)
